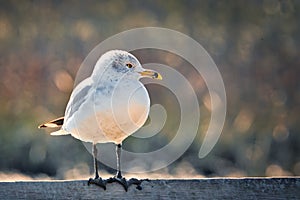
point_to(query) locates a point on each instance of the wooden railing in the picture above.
(216, 188)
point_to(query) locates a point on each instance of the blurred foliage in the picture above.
(255, 45)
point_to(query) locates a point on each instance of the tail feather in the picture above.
(53, 124)
(60, 132)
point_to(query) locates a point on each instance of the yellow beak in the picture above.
(151, 74)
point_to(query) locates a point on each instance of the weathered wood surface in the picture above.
(218, 188)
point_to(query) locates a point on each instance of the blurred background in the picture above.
(255, 45)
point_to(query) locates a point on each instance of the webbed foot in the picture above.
(98, 181)
(126, 183)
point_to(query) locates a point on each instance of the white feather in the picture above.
(59, 132)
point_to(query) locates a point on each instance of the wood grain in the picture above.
(216, 188)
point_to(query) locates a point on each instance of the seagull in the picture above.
(108, 106)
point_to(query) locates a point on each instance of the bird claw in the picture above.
(98, 181)
(126, 183)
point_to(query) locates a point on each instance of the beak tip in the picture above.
(151, 74)
(157, 76)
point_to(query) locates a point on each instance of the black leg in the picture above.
(118, 178)
(97, 180)
(95, 153)
(118, 152)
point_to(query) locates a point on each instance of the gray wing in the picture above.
(78, 96)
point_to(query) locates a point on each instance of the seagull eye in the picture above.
(129, 65)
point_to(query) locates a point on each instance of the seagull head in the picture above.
(123, 64)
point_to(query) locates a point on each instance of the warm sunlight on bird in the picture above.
(108, 106)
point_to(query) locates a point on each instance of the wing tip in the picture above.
(48, 125)
(53, 124)
(42, 126)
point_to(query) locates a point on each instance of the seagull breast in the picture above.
(123, 111)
